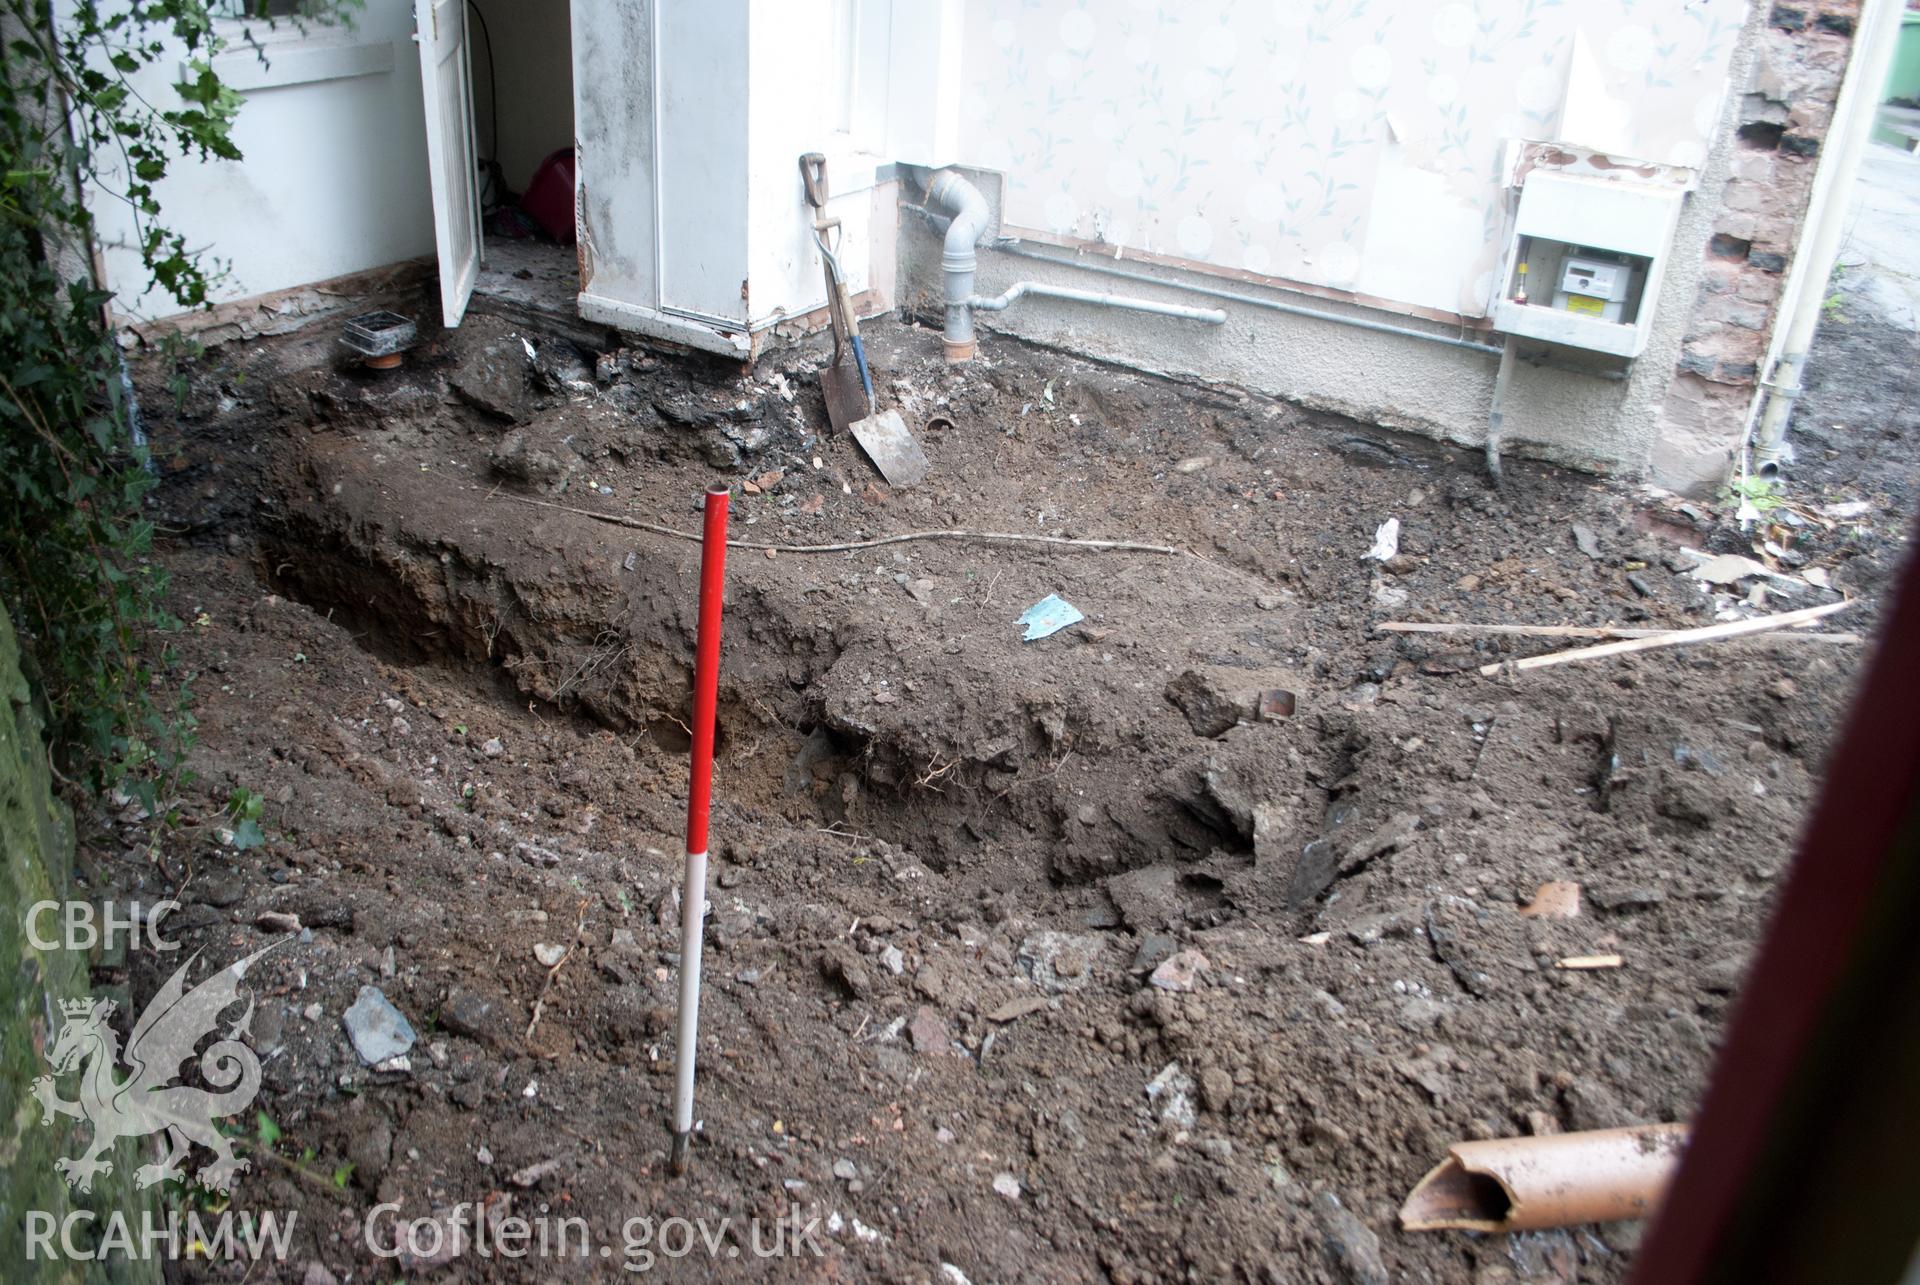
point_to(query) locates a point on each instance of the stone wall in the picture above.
(1782, 115)
(36, 844)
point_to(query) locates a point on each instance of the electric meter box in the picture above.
(1592, 288)
(1604, 244)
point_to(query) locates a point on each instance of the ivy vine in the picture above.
(77, 574)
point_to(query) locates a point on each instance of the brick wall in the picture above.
(1781, 118)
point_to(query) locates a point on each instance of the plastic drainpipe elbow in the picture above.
(953, 192)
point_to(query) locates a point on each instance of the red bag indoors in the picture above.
(549, 197)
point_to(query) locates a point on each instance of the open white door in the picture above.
(453, 170)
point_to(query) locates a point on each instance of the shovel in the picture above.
(846, 389)
(848, 386)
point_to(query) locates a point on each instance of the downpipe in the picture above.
(950, 190)
(959, 259)
(1806, 287)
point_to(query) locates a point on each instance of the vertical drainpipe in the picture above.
(957, 261)
(1826, 224)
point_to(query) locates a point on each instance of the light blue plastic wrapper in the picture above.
(1048, 616)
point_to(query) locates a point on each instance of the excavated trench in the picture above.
(587, 624)
(948, 862)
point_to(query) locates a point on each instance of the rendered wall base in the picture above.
(1399, 382)
(655, 324)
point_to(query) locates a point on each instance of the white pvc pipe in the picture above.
(999, 302)
(1099, 264)
(950, 189)
(1833, 183)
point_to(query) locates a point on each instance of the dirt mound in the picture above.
(1045, 959)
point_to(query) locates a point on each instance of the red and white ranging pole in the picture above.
(693, 891)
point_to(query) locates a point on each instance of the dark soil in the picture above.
(1853, 428)
(946, 859)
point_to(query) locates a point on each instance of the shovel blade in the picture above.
(885, 439)
(846, 399)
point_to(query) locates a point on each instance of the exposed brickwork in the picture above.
(1781, 121)
(1784, 113)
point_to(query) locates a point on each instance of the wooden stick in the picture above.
(1678, 638)
(1563, 631)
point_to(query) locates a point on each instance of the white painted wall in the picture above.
(693, 213)
(333, 178)
(1347, 144)
(613, 123)
(808, 91)
(533, 63)
(1085, 106)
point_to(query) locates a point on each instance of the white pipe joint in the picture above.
(951, 190)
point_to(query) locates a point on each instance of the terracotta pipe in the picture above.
(1523, 1184)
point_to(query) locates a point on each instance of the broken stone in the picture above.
(549, 953)
(1171, 1094)
(378, 1030)
(1007, 1185)
(1445, 921)
(1586, 541)
(839, 963)
(1313, 873)
(532, 1174)
(928, 1031)
(1179, 972)
(1396, 831)
(519, 457)
(1555, 899)
(1058, 961)
(1153, 948)
(1147, 898)
(471, 1015)
(1621, 900)
(1352, 1249)
(1391, 921)
(369, 1146)
(1016, 1008)
(1216, 1090)
(493, 377)
(1428, 1072)
(1211, 710)
(1319, 865)
(1728, 568)
(276, 921)
(221, 893)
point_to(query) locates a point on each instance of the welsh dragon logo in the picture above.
(147, 1101)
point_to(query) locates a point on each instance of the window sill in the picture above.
(285, 56)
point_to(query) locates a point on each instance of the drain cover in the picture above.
(379, 334)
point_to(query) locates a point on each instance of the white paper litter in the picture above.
(1386, 541)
